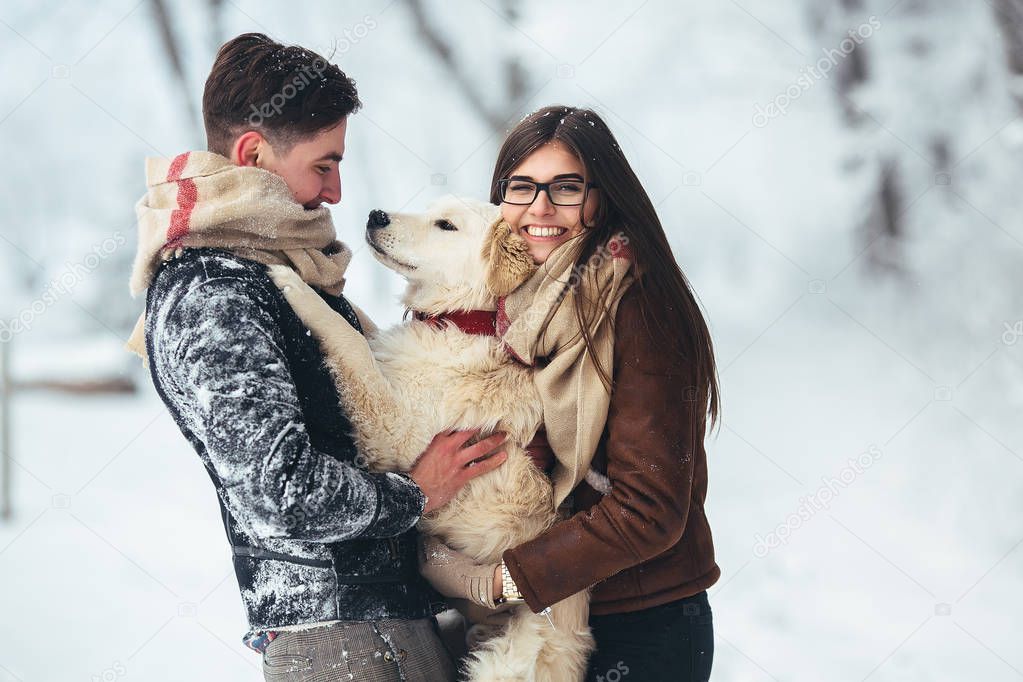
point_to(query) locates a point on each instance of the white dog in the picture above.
(402, 386)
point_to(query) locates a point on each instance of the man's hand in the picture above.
(448, 464)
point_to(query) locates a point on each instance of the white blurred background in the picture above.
(840, 180)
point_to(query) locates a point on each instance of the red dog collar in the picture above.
(478, 322)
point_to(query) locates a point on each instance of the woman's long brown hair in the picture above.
(665, 294)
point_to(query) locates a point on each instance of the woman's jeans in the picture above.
(674, 641)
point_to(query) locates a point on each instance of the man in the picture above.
(324, 551)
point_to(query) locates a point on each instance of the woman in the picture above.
(625, 366)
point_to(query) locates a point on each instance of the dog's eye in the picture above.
(445, 225)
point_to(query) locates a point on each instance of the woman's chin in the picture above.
(541, 252)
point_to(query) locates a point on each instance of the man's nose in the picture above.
(377, 220)
(331, 192)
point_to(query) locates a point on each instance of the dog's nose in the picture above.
(377, 220)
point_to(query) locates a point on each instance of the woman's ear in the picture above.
(507, 257)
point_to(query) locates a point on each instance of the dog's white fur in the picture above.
(413, 381)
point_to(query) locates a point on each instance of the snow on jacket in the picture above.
(314, 537)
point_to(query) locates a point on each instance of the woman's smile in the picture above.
(543, 232)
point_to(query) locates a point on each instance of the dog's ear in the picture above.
(507, 257)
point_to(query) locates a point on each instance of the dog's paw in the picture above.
(284, 277)
(299, 294)
(312, 310)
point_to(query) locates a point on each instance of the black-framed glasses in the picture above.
(560, 192)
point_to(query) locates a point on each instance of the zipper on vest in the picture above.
(392, 548)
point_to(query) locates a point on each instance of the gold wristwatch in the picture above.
(509, 590)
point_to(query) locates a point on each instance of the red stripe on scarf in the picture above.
(176, 167)
(188, 195)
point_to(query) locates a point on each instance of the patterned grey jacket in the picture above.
(314, 537)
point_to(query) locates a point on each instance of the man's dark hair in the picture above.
(285, 92)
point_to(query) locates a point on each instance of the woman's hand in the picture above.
(457, 575)
(539, 450)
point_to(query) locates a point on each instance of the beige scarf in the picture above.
(202, 200)
(538, 320)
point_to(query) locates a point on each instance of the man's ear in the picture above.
(247, 148)
(507, 257)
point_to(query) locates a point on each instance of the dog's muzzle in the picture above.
(377, 220)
